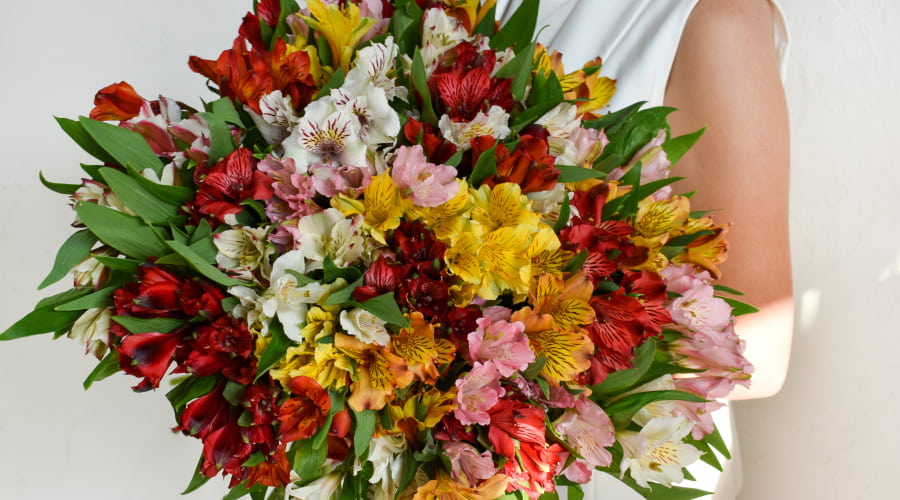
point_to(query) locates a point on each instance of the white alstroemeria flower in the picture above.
(373, 67)
(276, 118)
(440, 33)
(319, 489)
(92, 330)
(549, 203)
(243, 251)
(494, 123)
(93, 192)
(250, 309)
(326, 135)
(379, 123)
(365, 326)
(90, 272)
(330, 234)
(286, 298)
(387, 454)
(658, 453)
(561, 120)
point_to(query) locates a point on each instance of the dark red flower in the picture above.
(260, 400)
(118, 101)
(224, 346)
(437, 149)
(380, 278)
(231, 181)
(226, 449)
(274, 471)
(206, 413)
(304, 414)
(200, 298)
(416, 246)
(147, 355)
(427, 296)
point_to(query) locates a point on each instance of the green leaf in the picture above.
(288, 7)
(44, 318)
(534, 369)
(519, 69)
(309, 459)
(343, 295)
(201, 265)
(255, 459)
(198, 479)
(420, 85)
(740, 308)
(74, 130)
(125, 146)
(362, 435)
(519, 30)
(486, 28)
(676, 245)
(332, 271)
(150, 208)
(676, 147)
(623, 380)
(126, 265)
(145, 325)
(336, 80)
(125, 233)
(405, 25)
(485, 167)
(622, 410)
(725, 289)
(530, 115)
(577, 261)
(221, 143)
(173, 195)
(233, 392)
(615, 119)
(224, 109)
(236, 492)
(57, 187)
(574, 173)
(100, 298)
(385, 307)
(564, 212)
(106, 367)
(76, 249)
(275, 350)
(715, 440)
(189, 389)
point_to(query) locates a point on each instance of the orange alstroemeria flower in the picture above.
(567, 350)
(444, 488)
(468, 13)
(379, 372)
(118, 101)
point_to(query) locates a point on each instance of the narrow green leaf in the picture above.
(332, 271)
(288, 7)
(198, 479)
(236, 492)
(362, 435)
(534, 369)
(420, 85)
(385, 307)
(740, 308)
(150, 208)
(125, 233)
(201, 265)
(676, 147)
(623, 380)
(309, 459)
(221, 143)
(612, 120)
(74, 130)
(336, 80)
(145, 325)
(224, 109)
(725, 289)
(531, 114)
(124, 145)
(106, 367)
(57, 187)
(715, 440)
(343, 295)
(116, 264)
(275, 350)
(76, 249)
(574, 173)
(564, 213)
(518, 31)
(485, 167)
(173, 195)
(519, 69)
(577, 261)
(44, 319)
(255, 459)
(100, 298)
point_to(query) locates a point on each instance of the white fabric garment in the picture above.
(637, 40)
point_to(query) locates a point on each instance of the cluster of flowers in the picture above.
(404, 256)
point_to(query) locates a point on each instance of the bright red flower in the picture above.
(529, 165)
(461, 94)
(274, 471)
(303, 415)
(231, 181)
(380, 278)
(514, 423)
(148, 355)
(118, 101)
(155, 294)
(224, 346)
(437, 149)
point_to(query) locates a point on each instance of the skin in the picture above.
(726, 76)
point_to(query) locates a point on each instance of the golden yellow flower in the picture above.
(341, 25)
(444, 488)
(383, 206)
(462, 260)
(379, 372)
(503, 206)
(658, 218)
(505, 265)
(567, 351)
(447, 220)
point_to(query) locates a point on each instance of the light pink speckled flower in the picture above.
(589, 430)
(699, 310)
(479, 390)
(293, 192)
(428, 185)
(465, 461)
(331, 181)
(502, 343)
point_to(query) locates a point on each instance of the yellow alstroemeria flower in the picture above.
(448, 220)
(379, 372)
(707, 251)
(659, 218)
(445, 488)
(505, 265)
(383, 206)
(462, 260)
(468, 11)
(341, 25)
(503, 206)
(567, 351)
(567, 302)
(417, 346)
(546, 254)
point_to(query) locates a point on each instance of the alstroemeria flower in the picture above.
(589, 430)
(365, 326)
(494, 122)
(467, 465)
(148, 355)
(387, 454)
(303, 414)
(658, 452)
(330, 234)
(428, 185)
(118, 101)
(242, 252)
(326, 135)
(503, 343)
(231, 181)
(479, 391)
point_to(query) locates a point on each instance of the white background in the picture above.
(830, 434)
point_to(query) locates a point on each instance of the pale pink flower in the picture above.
(503, 343)
(699, 413)
(496, 313)
(578, 471)
(680, 279)
(293, 192)
(720, 354)
(428, 184)
(589, 430)
(699, 310)
(559, 396)
(479, 390)
(331, 181)
(466, 461)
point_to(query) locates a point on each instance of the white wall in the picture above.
(832, 433)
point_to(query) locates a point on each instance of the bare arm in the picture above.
(726, 76)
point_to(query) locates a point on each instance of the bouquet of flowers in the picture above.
(403, 255)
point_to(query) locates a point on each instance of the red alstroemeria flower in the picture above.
(260, 400)
(437, 149)
(274, 471)
(118, 101)
(155, 294)
(380, 278)
(514, 423)
(225, 449)
(206, 414)
(529, 165)
(201, 299)
(224, 346)
(416, 246)
(304, 414)
(650, 289)
(427, 296)
(229, 182)
(148, 355)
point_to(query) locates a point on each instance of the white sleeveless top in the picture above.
(637, 40)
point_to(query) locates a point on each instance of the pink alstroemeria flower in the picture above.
(478, 392)
(503, 343)
(428, 185)
(466, 461)
(589, 430)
